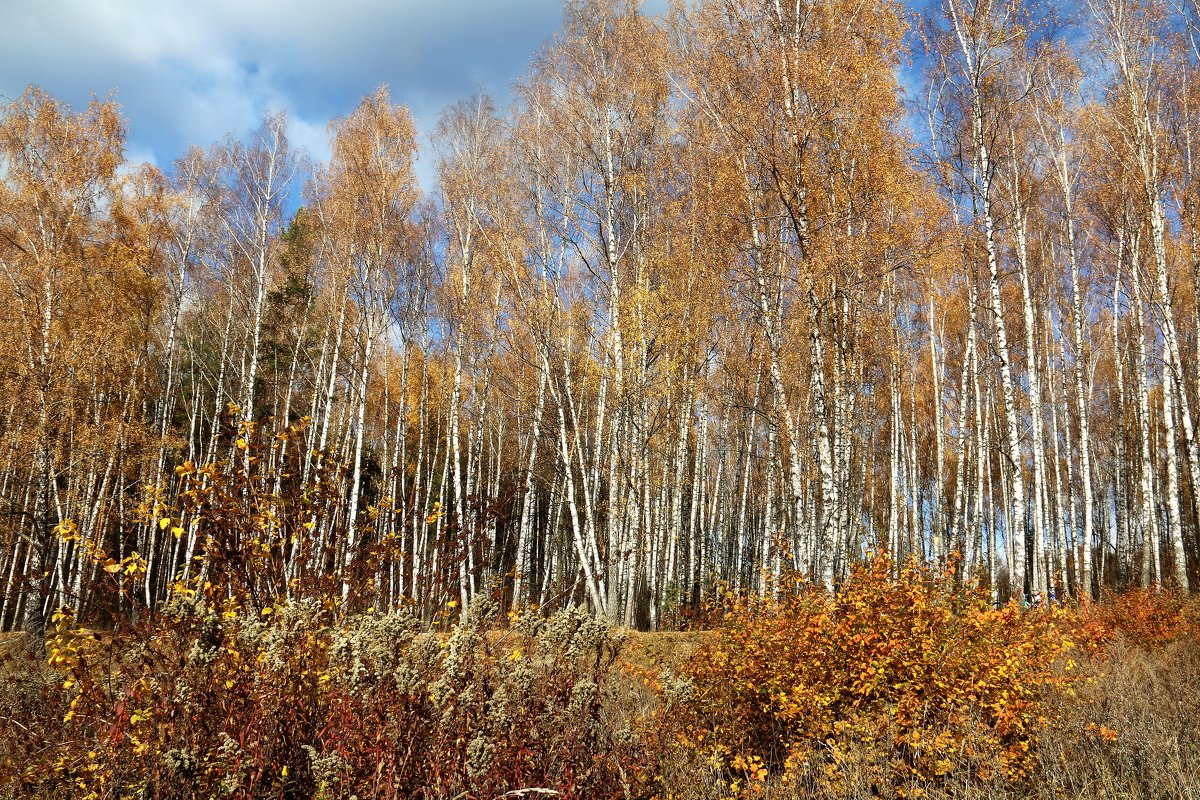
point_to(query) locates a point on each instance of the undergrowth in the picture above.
(214, 701)
(900, 684)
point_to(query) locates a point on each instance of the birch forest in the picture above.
(751, 290)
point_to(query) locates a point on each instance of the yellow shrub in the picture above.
(901, 677)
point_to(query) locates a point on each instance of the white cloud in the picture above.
(188, 73)
(311, 136)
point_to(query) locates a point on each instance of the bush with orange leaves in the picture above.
(897, 682)
(1148, 619)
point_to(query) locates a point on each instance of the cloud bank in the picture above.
(188, 73)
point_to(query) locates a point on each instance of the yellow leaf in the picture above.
(112, 568)
(164, 522)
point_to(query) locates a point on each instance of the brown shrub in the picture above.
(214, 701)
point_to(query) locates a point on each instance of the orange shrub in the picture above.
(1147, 618)
(925, 676)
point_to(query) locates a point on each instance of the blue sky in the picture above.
(190, 72)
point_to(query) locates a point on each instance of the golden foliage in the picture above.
(909, 667)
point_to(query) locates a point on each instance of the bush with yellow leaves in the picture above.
(896, 683)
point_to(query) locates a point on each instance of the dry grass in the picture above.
(1134, 729)
(665, 650)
